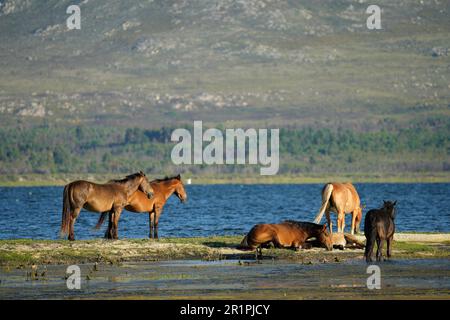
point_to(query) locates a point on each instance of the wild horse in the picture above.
(379, 225)
(163, 189)
(287, 234)
(110, 198)
(340, 198)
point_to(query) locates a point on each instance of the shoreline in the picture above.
(27, 252)
(34, 180)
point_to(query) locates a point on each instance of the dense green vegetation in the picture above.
(82, 149)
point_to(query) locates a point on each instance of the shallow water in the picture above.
(413, 279)
(35, 212)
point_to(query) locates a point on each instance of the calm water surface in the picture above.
(35, 212)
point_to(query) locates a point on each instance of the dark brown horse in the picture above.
(163, 189)
(110, 198)
(379, 225)
(340, 198)
(288, 234)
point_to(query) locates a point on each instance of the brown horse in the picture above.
(288, 234)
(163, 189)
(340, 198)
(110, 198)
(379, 225)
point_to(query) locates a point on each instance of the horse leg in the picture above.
(151, 219)
(157, 214)
(389, 246)
(358, 220)
(73, 217)
(330, 223)
(341, 221)
(116, 216)
(379, 249)
(354, 213)
(109, 231)
(258, 253)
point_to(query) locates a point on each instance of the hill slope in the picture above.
(293, 62)
(351, 99)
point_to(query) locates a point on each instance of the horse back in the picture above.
(289, 234)
(260, 234)
(345, 196)
(379, 223)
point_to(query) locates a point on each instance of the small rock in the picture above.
(439, 52)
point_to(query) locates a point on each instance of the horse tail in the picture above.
(65, 221)
(248, 243)
(370, 231)
(326, 194)
(244, 243)
(101, 220)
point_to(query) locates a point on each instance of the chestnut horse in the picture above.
(379, 225)
(287, 234)
(163, 189)
(340, 198)
(110, 198)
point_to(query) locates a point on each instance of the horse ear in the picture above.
(142, 173)
(324, 227)
(179, 176)
(395, 202)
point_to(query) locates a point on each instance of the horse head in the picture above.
(180, 192)
(389, 207)
(325, 238)
(144, 185)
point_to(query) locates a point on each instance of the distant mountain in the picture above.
(246, 62)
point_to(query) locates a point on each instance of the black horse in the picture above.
(379, 225)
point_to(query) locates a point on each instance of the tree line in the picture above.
(54, 149)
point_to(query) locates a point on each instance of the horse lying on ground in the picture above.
(162, 190)
(288, 234)
(340, 198)
(379, 225)
(110, 198)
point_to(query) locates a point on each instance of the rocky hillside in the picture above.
(262, 62)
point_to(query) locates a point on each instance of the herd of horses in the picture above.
(136, 193)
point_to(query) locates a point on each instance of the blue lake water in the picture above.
(35, 212)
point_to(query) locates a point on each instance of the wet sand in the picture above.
(233, 279)
(212, 268)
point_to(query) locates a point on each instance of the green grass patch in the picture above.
(15, 258)
(415, 249)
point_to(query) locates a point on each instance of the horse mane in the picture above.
(126, 179)
(302, 224)
(166, 178)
